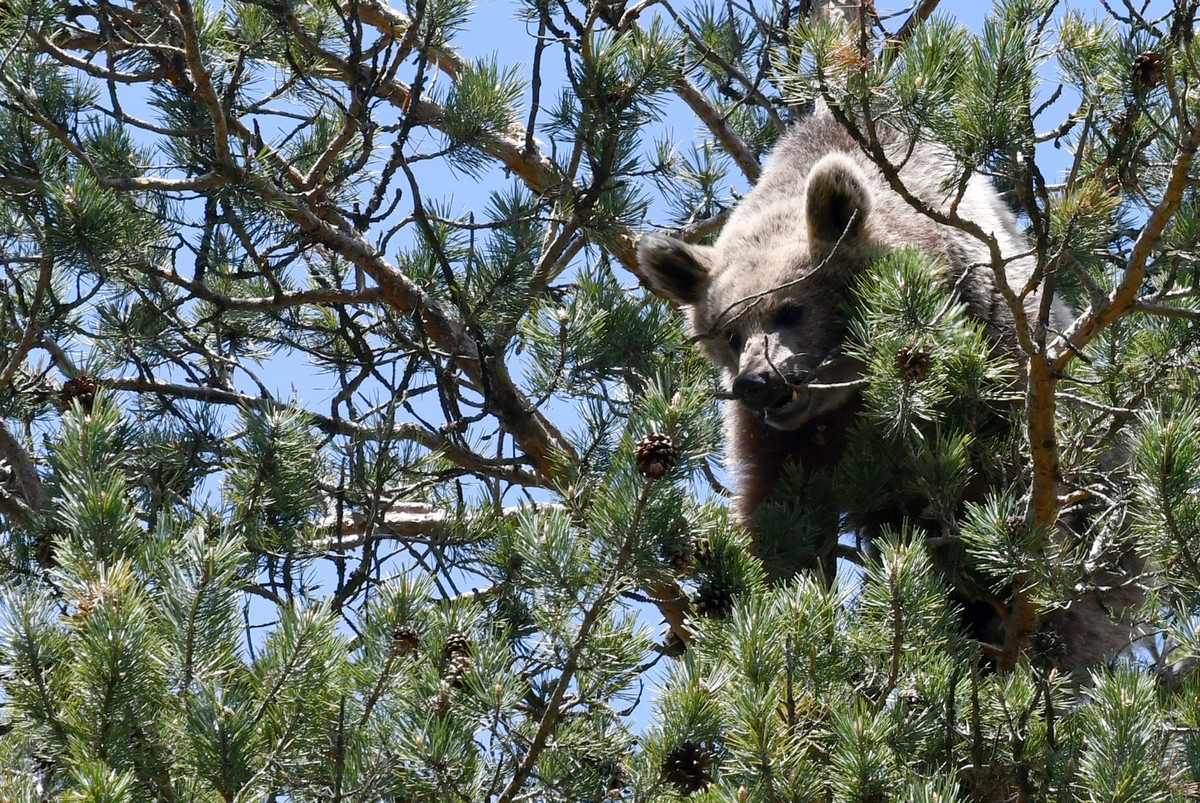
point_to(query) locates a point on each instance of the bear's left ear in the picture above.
(675, 270)
(837, 201)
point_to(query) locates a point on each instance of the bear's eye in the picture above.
(789, 314)
(734, 339)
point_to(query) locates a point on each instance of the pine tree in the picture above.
(342, 456)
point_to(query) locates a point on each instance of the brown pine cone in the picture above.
(713, 599)
(405, 640)
(1047, 650)
(456, 670)
(82, 388)
(688, 766)
(655, 455)
(1148, 71)
(703, 554)
(678, 550)
(456, 644)
(912, 364)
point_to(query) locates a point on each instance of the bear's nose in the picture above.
(756, 390)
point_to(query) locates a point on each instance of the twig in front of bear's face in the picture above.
(805, 381)
(856, 384)
(831, 358)
(771, 363)
(720, 394)
(797, 381)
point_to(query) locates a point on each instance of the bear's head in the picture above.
(767, 300)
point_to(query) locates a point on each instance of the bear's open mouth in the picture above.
(783, 416)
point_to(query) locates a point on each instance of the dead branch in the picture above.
(19, 472)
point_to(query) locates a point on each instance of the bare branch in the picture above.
(505, 470)
(922, 12)
(391, 23)
(733, 144)
(409, 521)
(22, 477)
(32, 324)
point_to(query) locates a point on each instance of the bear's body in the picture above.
(766, 301)
(782, 267)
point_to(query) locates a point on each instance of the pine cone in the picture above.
(457, 644)
(702, 554)
(1047, 649)
(678, 550)
(82, 388)
(655, 455)
(688, 766)
(912, 364)
(456, 670)
(1016, 527)
(714, 600)
(405, 640)
(1148, 71)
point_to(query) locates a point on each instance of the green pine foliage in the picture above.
(343, 458)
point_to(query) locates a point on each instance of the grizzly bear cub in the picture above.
(767, 302)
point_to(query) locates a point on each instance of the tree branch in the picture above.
(1125, 295)
(605, 597)
(464, 458)
(922, 12)
(391, 23)
(730, 141)
(408, 521)
(23, 477)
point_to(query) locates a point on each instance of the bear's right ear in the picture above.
(675, 270)
(837, 200)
